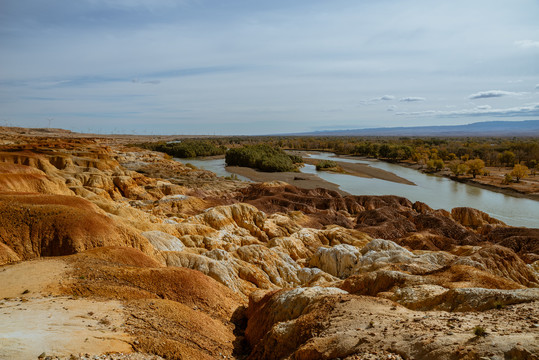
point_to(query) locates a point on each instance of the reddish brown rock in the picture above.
(53, 225)
(473, 218)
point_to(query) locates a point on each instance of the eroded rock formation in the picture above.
(198, 260)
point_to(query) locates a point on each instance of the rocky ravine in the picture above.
(119, 250)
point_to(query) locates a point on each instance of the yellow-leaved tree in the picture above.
(519, 172)
(475, 167)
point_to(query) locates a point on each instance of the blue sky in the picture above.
(259, 67)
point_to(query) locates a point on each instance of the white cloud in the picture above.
(152, 82)
(527, 44)
(524, 110)
(411, 99)
(377, 99)
(391, 108)
(492, 94)
(247, 61)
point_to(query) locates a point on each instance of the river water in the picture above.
(216, 166)
(437, 192)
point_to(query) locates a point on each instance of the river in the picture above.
(437, 192)
(216, 166)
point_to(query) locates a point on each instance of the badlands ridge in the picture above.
(113, 252)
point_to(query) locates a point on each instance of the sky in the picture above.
(247, 67)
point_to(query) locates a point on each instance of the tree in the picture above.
(475, 167)
(507, 158)
(533, 166)
(384, 151)
(519, 172)
(435, 164)
(458, 168)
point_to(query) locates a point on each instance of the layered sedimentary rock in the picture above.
(328, 325)
(198, 260)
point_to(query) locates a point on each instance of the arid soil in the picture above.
(113, 252)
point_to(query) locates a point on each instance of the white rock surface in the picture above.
(162, 241)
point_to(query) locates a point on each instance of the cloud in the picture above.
(537, 86)
(492, 94)
(412, 99)
(484, 107)
(152, 82)
(524, 110)
(301, 58)
(377, 99)
(527, 44)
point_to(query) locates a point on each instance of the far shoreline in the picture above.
(464, 180)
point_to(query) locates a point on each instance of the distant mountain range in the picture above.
(487, 128)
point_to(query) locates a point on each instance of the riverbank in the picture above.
(486, 182)
(302, 180)
(527, 188)
(309, 180)
(365, 171)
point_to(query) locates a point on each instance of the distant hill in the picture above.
(487, 128)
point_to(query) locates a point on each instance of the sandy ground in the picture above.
(527, 187)
(60, 326)
(33, 320)
(35, 277)
(312, 181)
(306, 181)
(363, 170)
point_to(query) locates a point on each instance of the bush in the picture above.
(261, 157)
(296, 159)
(325, 164)
(507, 179)
(187, 149)
(479, 331)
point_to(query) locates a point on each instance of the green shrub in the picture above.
(479, 331)
(296, 159)
(261, 157)
(187, 148)
(325, 164)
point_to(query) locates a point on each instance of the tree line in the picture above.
(459, 155)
